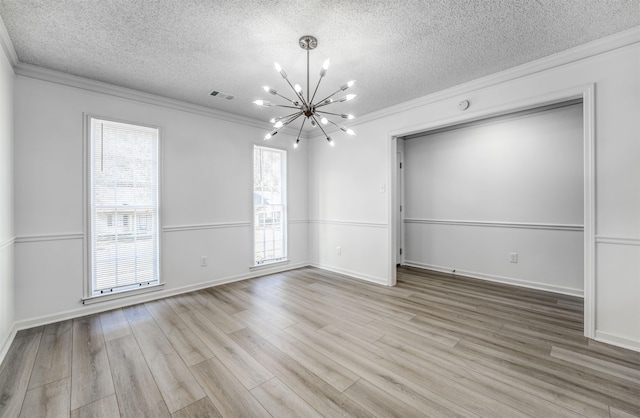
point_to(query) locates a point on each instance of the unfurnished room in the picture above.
(344, 208)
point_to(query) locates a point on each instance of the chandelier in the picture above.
(305, 106)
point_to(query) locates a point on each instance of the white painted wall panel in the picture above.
(618, 297)
(525, 169)
(360, 255)
(49, 278)
(547, 259)
(6, 202)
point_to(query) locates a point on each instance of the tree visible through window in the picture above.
(123, 173)
(269, 204)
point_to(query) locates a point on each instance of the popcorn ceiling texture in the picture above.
(396, 50)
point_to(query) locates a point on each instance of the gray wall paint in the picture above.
(525, 169)
(6, 202)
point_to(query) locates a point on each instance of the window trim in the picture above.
(88, 296)
(252, 262)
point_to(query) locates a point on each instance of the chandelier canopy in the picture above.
(305, 106)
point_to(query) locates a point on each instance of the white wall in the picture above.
(6, 203)
(206, 197)
(477, 193)
(344, 182)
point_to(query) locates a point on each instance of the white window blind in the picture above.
(123, 216)
(269, 204)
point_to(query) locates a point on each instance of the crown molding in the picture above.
(568, 56)
(58, 77)
(7, 45)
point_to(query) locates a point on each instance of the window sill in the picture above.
(122, 294)
(267, 265)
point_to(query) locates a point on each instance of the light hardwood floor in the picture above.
(311, 343)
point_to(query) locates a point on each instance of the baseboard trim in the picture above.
(355, 275)
(4, 348)
(617, 340)
(146, 297)
(498, 279)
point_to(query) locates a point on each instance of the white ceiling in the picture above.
(396, 50)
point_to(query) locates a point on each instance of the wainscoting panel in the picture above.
(549, 257)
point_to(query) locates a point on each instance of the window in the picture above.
(123, 189)
(269, 205)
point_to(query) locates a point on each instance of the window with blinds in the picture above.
(269, 205)
(123, 216)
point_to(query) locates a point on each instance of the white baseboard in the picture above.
(499, 279)
(617, 340)
(360, 276)
(146, 297)
(4, 348)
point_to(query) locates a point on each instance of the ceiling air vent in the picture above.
(221, 95)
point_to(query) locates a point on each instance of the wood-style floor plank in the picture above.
(186, 342)
(54, 354)
(48, 401)
(414, 394)
(310, 342)
(102, 408)
(227, 393)
(176, 383)
(203, 408)
(114, 324)
(379, 402)
(16, 369)
(249, 371)
(281, 401)
(90, 373)
(325, 368)
(315, 391)
(137, 392)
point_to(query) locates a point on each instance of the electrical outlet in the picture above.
(513, 257)
(338, 251)
(203, 261)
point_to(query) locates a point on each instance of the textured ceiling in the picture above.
(396, 50)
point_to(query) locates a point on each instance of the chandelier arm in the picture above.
(342, 128)
(333, 123)
(325, 104)
(319, 126)
(288, 107)
(301, 97)
(296, 116)
(286, 98)
(287, 116)
(316, 90)
(300, 131)
(328, 113)
(328, 97)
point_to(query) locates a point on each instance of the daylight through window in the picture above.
(269, 205)
(123, 215)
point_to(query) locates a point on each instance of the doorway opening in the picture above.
(398, 208)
